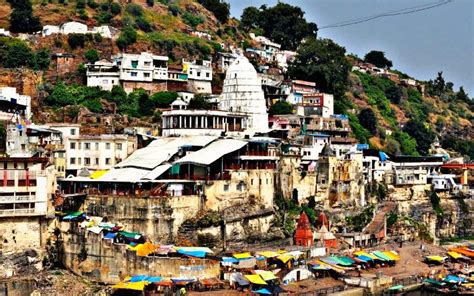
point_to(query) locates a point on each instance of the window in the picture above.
(96, 161)
(118, 146)
(87, 146)
(107, 145)
(226, 187)
(207, 74)
(251, 181)
(134, 65)
(96, 146)
(147, 64)
(73, 132)
(198, 74)
(72, 160)
(107, 161)
(105, 81)
(134, 74)
(146, 75)
(87, 161)
(240, 187)
(72, 145)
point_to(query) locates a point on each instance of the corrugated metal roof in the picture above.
(213, 152)
(161, 150)
(156, 172)
(129, 175)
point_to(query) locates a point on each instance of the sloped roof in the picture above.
(213, 152)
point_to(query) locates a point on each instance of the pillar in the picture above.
(180, 121)
(202, 122)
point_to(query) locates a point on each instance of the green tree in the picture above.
(424, 136)
(281, 107)
(163, 99)
(92, 56)
(199, 102)
(250, 18)
(407, 143)
(324, 62)
(145, 105)
(76, 40)
(286, 24)
(394, 94)
(393, 147)
(368, 120)
(42, 59)
(378, 58)
(127, 37)
(18, 54)
(22, 19)
(150, 3)
(135, 9)
(462, 96)
(115, 8)
(192, 20)
(61, 96)
(220, 9)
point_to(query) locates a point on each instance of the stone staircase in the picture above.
(378, 221)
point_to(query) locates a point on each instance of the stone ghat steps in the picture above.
(378, 221)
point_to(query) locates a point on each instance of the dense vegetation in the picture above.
(15, 53)
(22, 19)
(283, 23)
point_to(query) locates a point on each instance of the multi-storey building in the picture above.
(27, 187)
(199, 76)
(12, 103)
(96, 152)
(103, 74)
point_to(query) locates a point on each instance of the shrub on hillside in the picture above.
(127, 37)
(76, 40)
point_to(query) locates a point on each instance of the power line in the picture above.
(408, 10)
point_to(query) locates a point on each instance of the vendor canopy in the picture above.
(212, 152)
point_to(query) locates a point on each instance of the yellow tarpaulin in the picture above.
(242, 255)
(255, 279)
(268, 254)
(435, 258)
(285, 258)
(137, 286)
(146, 249)
(363, 253)
(266, 275)
(392, 255)
(455, 255)
(134, 248)
(98, 174)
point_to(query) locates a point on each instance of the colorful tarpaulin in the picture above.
(344, 261)
(193, 249)
(130, 235)
(145, 249)
(97, 174)
(395, 288)
(392, 254)
(365, 254)
(268, 254)
(138, 278)
(263, 291)
(382, 256)
(455, 255)
(284, 258)
(255, 279)
(434, 282)
(266, 275)
(454, 279)
(73, 215)
(364, 258)
(95, 229)
(242, 255)
(110, 235)
(197, 254)
(229, 260)
(438, 259)
(138, 286)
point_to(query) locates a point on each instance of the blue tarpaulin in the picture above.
(362, 146)
(154, 279)
(383, 156)
(454, 279)
(138, 278)
(198, 254)
(364, 258)
(110, 235)
(230, 260)
(263, 291)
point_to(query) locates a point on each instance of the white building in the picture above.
(313, 144)
(243, 93)
(144, 70)
(199, 76)
(27, 187)
(444, 182)
(100, 152)
(12, 102)
(73, 28)
(103, 74)
(4, 32)
(320, 104)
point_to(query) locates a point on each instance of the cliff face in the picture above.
(25, 81)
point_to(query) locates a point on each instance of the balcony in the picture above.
(17, 199)
(20, 212)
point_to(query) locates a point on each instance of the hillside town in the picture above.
(217, 190)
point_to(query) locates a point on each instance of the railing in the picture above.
(19, 212)
(13, 198)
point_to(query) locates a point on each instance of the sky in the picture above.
(419, 44)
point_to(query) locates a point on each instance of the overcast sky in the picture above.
(420, 44)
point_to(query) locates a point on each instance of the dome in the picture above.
(242, 92)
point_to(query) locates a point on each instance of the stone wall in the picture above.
(107, 262)
(158, 218)
(151, 87)
(20, 233)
